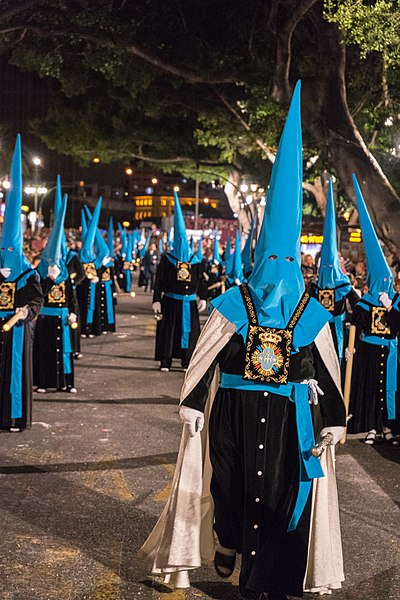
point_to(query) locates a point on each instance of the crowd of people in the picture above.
(265, 378)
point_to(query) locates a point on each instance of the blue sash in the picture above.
(186, 321)
(109, 302)
(92, 303)
(391, 370)
(17, 351)
(310, 467)
(338, 322)
(127, 280)
(66, 333)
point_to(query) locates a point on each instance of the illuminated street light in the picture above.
(29, 189)
(96, 159)
(206, 200)
(6, 184)
(128, 171)
(42, 190)
(36, 161)
(154, 180)
(244, 188)
(254, 187)
(176, 188)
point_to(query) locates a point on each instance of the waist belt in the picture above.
(310, 467)
(186, 320)
(66, 334)
(17, 351)
(391, 370)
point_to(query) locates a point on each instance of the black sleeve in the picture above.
(75, 266)
(359, 319)
(393, 320)
(353, 298)
(159, 284)
(33, 297)
(198, 396)
(332, 408)
(46, 285)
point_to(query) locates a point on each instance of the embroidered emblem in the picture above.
(90, 270)
(127, 265)
(327, 299)
(268, 354)
(57, 294)
(379, 324)
(214, 269)
(184, 271)
(106, 276)
(7, 296)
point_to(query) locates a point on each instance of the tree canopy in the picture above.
(202, 87)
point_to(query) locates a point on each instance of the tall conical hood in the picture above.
(87, 253)
(236, 270)
(12, 255)
(84, 225)
(181, 249)
(330, 273)
(110, 238)
(58, 207)
(143, 250)
(246, 252)
(228, 255)
(124, 240)
(53, 251)
(379, 276)
(199, 253)
(276, 278)
(161, 245)
(216, 254)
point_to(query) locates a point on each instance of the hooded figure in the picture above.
(110, 239)
(213, 275)
(145, 276)
(87, 290)
(235, 274)
(19, 290)
(120, 259)
(52, 350)
(259, 428)
(106, 291)
(333, 287)
(377, 321)
(247, 252)
(179, 280)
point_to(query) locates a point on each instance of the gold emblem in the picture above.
(126, 266)
(106, 276)
(90, 270)
(327, 299)
(7, 296)
(57, 294)
(184, 271)
(379, 324)
(268, 354)
(214, 269)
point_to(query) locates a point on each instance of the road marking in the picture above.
(163, 495)
(108, 581)
(106, 472)
(150, 328)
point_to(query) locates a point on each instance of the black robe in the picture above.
(49, 364)
(169, 329)
(29, 295)
(84, 294)
(368, 387)
(254, 455)
(105, 298)
(77, 275)
(213, 274)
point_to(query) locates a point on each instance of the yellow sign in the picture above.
(311, 239)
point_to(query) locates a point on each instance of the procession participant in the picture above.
(247, 252)
(377, 321)
(213, 274)
(259, 433)
(333, 287)
(19, 291)
(120, 259)
(106, 291)
(235, 274)
(86, 291)
(52, 348)
(150, 262)
(178, 281)
(143, 271)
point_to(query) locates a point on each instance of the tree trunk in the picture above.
(319, 190)
(245, 215)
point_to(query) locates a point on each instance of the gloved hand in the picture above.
(156, 306)
(6, 272)
(53, 271)
(347, 353)
(336, 430)
(105, 261)
(384, 298)
(237, 281)
(194, 419)
(201, 305)
(94, 279)
(72, 318)
(115, 294)
(313, 391)
(23, 312)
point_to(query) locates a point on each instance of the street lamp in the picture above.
(36, 162)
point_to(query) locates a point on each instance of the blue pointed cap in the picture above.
(122, 234)
(110, 238)
(199, 253)
(228, 255)
(87, 253)
(330, 273)
(236, 271)
(379, 275)
(12, 255)
(58, 207)
(181, 245)
(53, 251)
(277, 256)
(216, 255)
(84, 225)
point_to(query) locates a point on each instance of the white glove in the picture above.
(105, 261)
(347, 353)
(194, 419)
(115, 294)
(336, 430)
(201, 305)
(23, 312)
(237, 281)
(313, 391)
(94, 279)
(53, 271)
(384, 298)
(6, 272)
(72, 318)
(156, 306)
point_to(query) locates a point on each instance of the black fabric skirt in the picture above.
(83, 292)
(169, 330)
(254, 454)
(48, 355)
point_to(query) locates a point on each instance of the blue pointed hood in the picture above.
(53, 252)
(216, 255)
(379, 275)
(143, 250)
(110, 238)
(58, 206)
(330, 273)
(236, 271)
(228, 255)
(161, 246)
(246, 252)
(181, 250)
(84, 225)
(199, 253)
(87, 252)
(11, 251)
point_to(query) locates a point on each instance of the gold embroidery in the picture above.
(127, 265)
(90, 270)
(184, 271)
(299, 310)
(379, 324)
(7, 296)
(268, 354)
(327, 299)
(57, 294)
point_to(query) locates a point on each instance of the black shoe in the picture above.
(223, 564)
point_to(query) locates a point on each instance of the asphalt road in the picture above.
(81, 490)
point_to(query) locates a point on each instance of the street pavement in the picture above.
(82, 489)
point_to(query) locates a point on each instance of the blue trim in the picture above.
(92, 303)
(310, 467)
(62, 313)
(186, 320)
(109, 302)
(17, 351)
(391, 370)
(338, 323)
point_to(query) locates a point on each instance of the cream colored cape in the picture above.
(183, 538)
